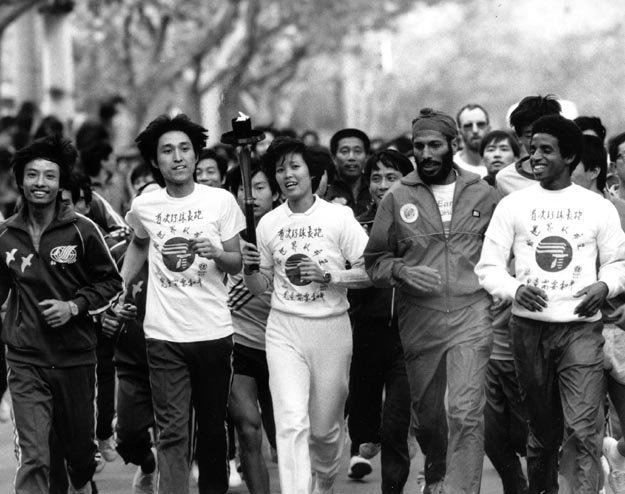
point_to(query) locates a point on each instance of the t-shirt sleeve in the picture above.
(501, 227)
(134, 221)
(262, 237)
(232, 219)
(492, 268)
(353, 240)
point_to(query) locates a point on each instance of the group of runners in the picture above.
(464, 293)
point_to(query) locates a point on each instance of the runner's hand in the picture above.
(531, 297)
(249, 255)
(205, 248)
(114, 319)
(422, 278)
(55, 312)
(594, 298)
(618, 316)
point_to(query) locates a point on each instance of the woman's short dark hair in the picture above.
(283, 146)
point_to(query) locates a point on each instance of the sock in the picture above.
(149, 464)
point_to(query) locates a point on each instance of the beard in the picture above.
(473, 144)
(438, 175)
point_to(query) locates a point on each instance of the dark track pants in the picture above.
(560, 370)
(505, 425)
(181, 375)
(135, 416)
(43, 398)
(378, 368)
(448, 351)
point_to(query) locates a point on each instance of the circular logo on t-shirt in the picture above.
(291, 268)
(177, 254)
(553, 254)
(409, 213)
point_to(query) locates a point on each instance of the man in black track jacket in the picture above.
(57, 272)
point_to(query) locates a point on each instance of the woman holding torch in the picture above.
(303, 248)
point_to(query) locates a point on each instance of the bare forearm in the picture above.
(351, 278)
(257, 282)
(136, 255)
(229, 262)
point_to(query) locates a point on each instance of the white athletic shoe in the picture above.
(616, 478)
(195, 472)
(5, 407)
(235, 479)
(359, 467)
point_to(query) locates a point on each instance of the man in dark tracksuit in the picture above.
(59, 273)
(425, 241)
(135, 414)
(379, 414)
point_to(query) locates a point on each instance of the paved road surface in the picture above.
(116, 478)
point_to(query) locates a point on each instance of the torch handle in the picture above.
(245, 164)
(250, 227)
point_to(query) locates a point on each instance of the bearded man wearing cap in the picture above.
(350, 148)
(426, 240)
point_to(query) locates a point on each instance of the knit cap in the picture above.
(430, 119)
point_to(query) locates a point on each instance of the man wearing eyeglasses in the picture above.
(473, 124)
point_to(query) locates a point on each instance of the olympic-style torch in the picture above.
(242, 137)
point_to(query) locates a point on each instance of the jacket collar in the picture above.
(64, 214)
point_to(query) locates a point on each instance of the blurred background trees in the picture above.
(325, 64)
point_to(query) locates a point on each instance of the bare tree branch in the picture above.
(161, 37)
(212, 36)
(278, 75)
(10, 10)
(127, 58)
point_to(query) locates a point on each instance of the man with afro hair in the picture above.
(569, 252)
(189, 233)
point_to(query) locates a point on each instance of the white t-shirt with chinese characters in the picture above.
(187, 297)
(556, 237)
(326, 233)
(444, 195)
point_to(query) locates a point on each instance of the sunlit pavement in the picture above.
(116, 478)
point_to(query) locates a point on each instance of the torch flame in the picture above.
(242, 117)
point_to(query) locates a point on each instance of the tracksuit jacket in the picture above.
(73, 263)
(408, 231)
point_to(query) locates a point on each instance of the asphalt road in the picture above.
(116, 478)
